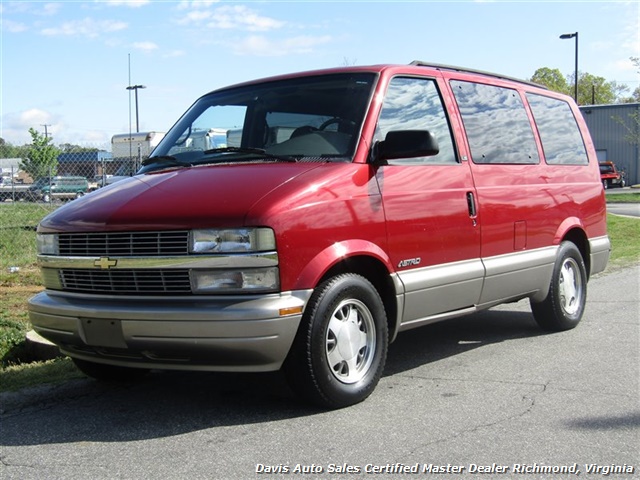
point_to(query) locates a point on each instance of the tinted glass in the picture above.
(316, 117)
(559, 132)
(496, 122)
(415, 104)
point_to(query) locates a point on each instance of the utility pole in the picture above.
(46, 133)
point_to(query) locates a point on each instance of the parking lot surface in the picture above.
(487, 396)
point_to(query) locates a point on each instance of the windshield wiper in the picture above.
(165, 160)
(251, 151)
(161, 162)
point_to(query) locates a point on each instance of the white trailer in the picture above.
(135, 145)
(131, 149)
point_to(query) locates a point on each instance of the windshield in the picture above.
(316, 117)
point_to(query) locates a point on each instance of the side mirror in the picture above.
(406, 144)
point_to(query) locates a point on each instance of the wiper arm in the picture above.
(162, 161)
(165, 160)
(250, 150)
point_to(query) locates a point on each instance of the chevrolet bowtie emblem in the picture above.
(105, 263)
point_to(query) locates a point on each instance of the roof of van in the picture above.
(453, 68)
(380, 68)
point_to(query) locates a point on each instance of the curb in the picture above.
(40, 348)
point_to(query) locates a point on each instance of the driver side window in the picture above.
(415, 104)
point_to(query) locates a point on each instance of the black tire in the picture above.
(340, 349)
(109, 373)
(563, 308)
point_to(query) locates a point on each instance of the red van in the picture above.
(343, 207)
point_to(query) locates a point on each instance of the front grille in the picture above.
(151, 282)
(128, 244)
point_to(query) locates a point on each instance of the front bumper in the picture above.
(230, 333)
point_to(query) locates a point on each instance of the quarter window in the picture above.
(559, 132)
(415, 104)
(496, 122)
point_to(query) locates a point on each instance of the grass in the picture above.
(18, 371)
(624, 233)
(623, 197)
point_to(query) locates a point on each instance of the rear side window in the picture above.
(559, 132)
(496, 122)
(415, 104)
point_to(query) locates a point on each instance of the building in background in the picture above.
(85, 164)
(615, 130)
(10, 171)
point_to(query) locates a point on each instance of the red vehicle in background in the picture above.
(338, 209)
(611, 176)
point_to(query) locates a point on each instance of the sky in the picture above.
(65, 65)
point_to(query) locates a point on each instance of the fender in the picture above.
(339, 251)
(566, 225)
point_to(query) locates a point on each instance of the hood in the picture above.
(197, 197)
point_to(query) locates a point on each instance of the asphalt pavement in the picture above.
(625, 209)
(489, 396)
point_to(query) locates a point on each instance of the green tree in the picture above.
(11, 151)
(591, 89)
(42, 156)
(635, 95)
(552, 79)
(632, 123)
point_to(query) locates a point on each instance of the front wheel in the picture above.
(566, 300)
(340, 349)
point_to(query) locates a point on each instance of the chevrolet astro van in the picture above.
(345, 207)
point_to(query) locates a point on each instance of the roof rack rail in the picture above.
(454, 68)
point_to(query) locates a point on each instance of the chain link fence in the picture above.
(25, 200)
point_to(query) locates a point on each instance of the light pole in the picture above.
(566, 36)
(135, 88)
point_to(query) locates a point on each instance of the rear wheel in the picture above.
(109, 373)
(341, 347)
(566, 300)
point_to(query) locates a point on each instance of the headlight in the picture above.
(235, 281)
(232, 240)
(47, 244)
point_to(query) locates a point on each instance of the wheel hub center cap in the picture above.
(348, 340)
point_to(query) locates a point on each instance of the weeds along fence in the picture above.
(18, 221)
(29, 192)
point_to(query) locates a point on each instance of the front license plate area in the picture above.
(103, 333)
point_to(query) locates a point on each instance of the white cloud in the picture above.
(15, 126)
(145, 46)
(264, 47)
(230, 17)
(49, 9)
(174, 53)
(86, 27)
(126, 3)
(184, 4)
(12, 27)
